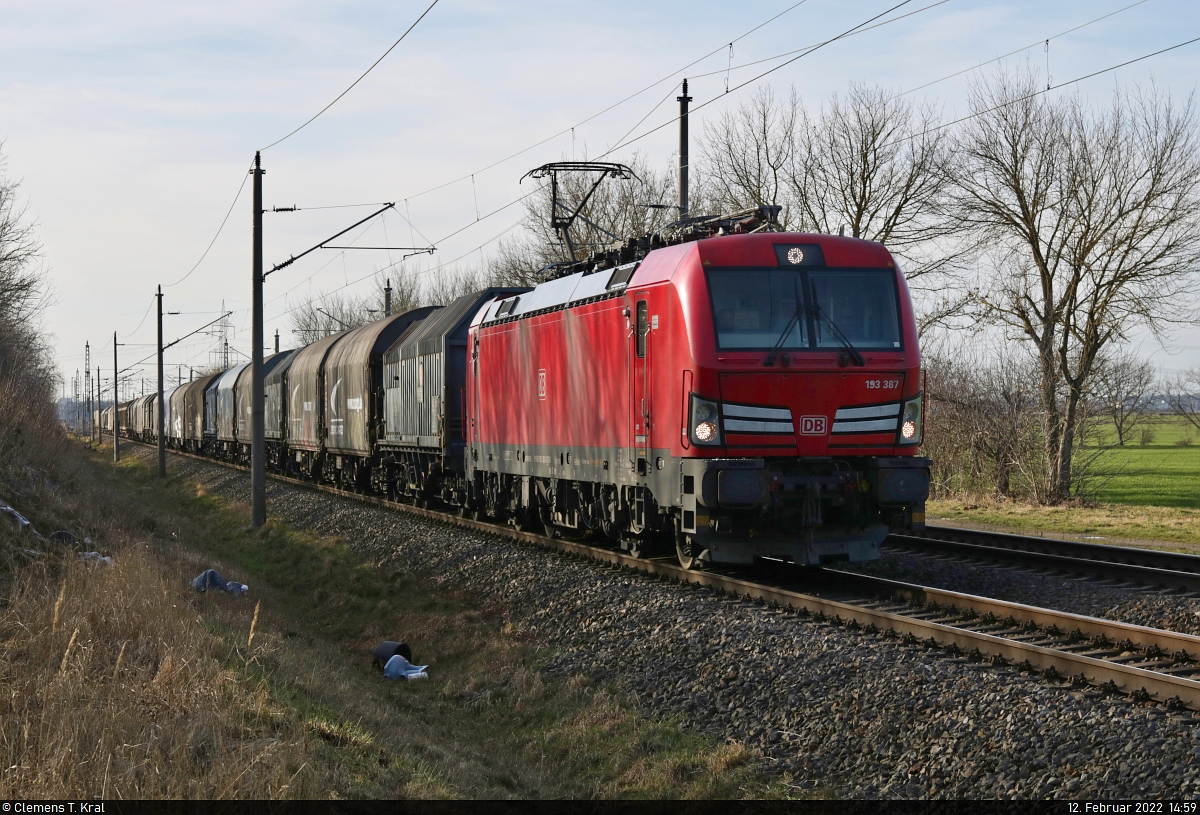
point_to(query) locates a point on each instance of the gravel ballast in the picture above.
(847, 712)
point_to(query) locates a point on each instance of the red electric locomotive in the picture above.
(744, 396)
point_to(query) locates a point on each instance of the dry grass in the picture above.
(112, 687)
(121, 682)
(1175, 528)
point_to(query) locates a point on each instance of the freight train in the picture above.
(742, 395)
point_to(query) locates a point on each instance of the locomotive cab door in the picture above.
(639, 408)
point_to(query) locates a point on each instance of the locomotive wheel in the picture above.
(685, 550)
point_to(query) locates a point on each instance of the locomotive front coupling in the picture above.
(801, 510)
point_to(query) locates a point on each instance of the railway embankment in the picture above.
(833, 710)
(122, 682)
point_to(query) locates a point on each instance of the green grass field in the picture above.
(1137, 492)
(1162, 473)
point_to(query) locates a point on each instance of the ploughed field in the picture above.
(837, 711)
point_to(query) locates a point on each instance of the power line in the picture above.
(805, 48)
(214, 240)
(698, 107)
(909, 138)
(355, 82)
(322, 267)
(650, 112)
(144, 316)
(617, 104)
(1045, 90)
(1018, 50)
(647, 133)
(494, 164)
(814, 48)
(176, 342)
(495, 237)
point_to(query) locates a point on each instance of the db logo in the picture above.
(812, 425)
(541, 383)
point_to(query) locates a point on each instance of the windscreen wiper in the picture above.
(858, 358)
(787, 329)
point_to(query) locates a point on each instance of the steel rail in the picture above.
(1151, 567)
(933, 616)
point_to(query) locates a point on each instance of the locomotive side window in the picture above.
(643, 327)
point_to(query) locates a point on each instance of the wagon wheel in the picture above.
(611, 530)
(687, 551)
(520, 520)
(548, 527)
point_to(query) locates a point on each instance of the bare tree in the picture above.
(30, 433)
(22, 286)
(1121, 391)
(882, 168)
(982, 427)
(870, 165)
(1182, 393)
(749, 154)
(320, 315)
(1094, 221)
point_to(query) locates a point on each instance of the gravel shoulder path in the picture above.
(844, 712)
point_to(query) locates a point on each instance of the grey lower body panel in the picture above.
(821, 546)
(726, 510)
(654, 469)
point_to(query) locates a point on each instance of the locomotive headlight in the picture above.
(910, 422)
(704, 427)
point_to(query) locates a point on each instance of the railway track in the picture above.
(1146, 663)
(1121, 564)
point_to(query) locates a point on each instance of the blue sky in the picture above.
(131, 125)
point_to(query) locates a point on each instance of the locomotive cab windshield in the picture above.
(805, 309)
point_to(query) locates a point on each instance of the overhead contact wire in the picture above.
(219, 229)
(1077, 79)
(355, 82)
(634, 95)
(1018, 50)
